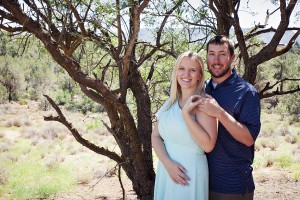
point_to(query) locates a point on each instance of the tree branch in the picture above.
(61, 118)
(267, 87)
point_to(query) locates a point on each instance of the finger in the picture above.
(183, 181)
(200, 108)
(184, 177)
(208, 96)
(182, 169)
(194, 99)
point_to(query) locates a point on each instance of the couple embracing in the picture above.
(205, 132)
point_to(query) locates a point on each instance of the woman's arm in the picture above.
(204, 129)
(175, 170)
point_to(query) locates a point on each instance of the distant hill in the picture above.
(145, 35)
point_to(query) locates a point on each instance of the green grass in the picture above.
(295, 169)
(283, 161)
(93, 124)
(28, 181)
(29, 177)
(12, 128)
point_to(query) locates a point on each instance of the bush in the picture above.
(23, 102)
(3, 176)
(283, 161)
(62, 97)
(44, 105)
(84, 105)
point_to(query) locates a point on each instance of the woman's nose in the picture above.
(187, 72)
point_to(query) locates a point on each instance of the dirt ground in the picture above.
(271, 183)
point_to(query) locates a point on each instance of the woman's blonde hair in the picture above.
(175, 92)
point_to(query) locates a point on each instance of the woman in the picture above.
(181, 135)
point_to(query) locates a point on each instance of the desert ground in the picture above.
(96, 175)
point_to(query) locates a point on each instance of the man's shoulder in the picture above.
(245, 84)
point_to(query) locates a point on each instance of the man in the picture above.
(235, 103)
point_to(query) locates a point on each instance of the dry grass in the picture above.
(292, 139)
(3, 176)
(5, 145)
(53, 160)
(53, 147)
(85, 176)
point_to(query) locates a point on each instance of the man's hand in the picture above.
(210, 106)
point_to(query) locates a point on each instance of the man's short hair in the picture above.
(220, 40)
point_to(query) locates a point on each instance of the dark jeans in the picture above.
(222, 196)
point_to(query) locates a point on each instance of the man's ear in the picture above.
(232, 58)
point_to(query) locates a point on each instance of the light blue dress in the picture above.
(182, 149)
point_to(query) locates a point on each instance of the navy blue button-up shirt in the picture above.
(230, 161)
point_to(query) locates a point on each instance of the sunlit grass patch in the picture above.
(283, 161)
(29, 177)
(295, 169)
(93, 124)
(32, 180)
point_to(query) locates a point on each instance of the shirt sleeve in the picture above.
(250, 113)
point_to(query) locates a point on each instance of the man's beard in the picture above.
(221, 74)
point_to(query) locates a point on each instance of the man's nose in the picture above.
(217, 58)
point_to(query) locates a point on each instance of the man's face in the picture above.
(219, 61)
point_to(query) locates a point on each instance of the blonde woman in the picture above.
(181, 135)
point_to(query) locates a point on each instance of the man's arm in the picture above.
(238, 130)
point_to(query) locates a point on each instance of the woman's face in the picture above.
(188, 74)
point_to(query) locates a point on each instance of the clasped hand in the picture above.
(192, 102)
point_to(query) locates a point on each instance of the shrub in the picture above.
(52, 130)
(291, 139)
(3, 176)
(283, 161)
(23, 102)
(273, 145)
(4, 147)
(284, 130)
(44, 105)
(84, 177)
(84, 105)
(14, 122)
(269, 162)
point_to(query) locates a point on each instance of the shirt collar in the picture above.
(229, 81)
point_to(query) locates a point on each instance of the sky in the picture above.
(259, 8)
(252, 12)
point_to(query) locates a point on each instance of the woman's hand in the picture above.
(177, 173)
(191, 103)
